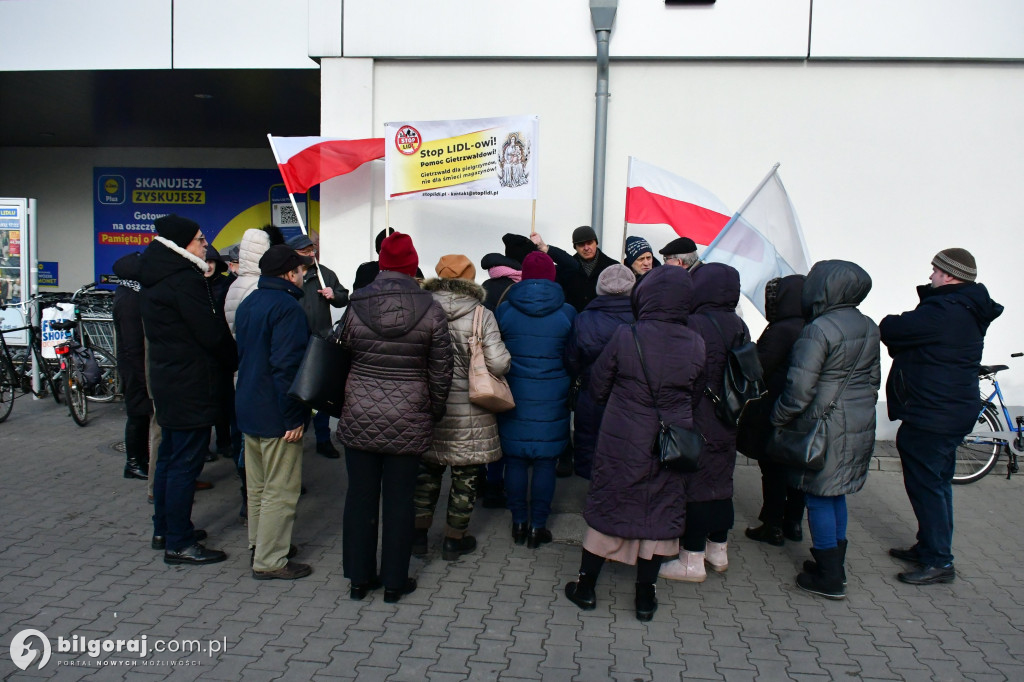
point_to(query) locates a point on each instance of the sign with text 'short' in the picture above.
(482, 158)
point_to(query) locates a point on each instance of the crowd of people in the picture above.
(598, 355)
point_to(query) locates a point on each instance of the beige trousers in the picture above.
(273, 475)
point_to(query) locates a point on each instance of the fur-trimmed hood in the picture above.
(457, 297)
(162, 258)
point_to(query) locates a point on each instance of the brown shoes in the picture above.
(290, 571)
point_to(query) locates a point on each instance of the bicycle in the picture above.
(73, 358)
(109, 386)
(16, 378)
(980, 449)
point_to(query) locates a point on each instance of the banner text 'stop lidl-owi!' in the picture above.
(483, 158)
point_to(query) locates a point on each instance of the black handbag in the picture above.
(676, 447)
(320, 381)
(796, 445)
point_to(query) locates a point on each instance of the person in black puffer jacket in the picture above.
(783, 509)
(709, 508)
(397, 336)
(837, 342)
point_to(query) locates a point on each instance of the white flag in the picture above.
(763, 240)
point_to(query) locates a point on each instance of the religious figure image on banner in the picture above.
(512, 162)
(483, 158)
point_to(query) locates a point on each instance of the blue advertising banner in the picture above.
(47, 270)
(225, 202)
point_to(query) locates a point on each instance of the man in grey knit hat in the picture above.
(933, 388)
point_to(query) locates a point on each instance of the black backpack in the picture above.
(743, 379)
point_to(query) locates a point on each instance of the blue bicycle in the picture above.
(977, 454)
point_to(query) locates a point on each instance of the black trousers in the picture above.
(705, 521)
(929, 461)
(373, 478)
(782, 504)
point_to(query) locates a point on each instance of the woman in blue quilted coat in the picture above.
(535, 322)
(590, 334)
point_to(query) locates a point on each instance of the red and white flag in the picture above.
(655, 196)
(308, 161)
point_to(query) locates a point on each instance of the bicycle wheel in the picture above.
(6, 393)
(978, 452)
(74, 395)
(110, 380)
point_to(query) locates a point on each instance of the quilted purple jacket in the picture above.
(401, 367)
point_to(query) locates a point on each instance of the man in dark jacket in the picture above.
(933, 387)
(577, 274)
(317, 302)
(272, 332)
(189, 345)
(131, 365)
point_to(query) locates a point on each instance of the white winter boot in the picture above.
(689, 567)
(718, 556)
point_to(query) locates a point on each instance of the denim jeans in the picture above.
(929, 460)
(179, 462)
(826, 517)
(541, 489)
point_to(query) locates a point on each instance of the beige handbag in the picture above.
(485, 390)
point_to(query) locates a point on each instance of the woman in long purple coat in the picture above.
(635, 509)
(709, 508)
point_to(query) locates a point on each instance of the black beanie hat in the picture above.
(517, 247)
(382, 235)
(583, 233)
(957, 263)
(174, 228)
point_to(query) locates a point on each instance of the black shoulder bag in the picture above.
(676, 447)
(320, 380)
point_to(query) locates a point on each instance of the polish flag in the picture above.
(655, 196)
(308, 161)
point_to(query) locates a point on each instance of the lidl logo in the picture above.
(110, 190)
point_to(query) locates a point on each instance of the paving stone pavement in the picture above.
(76, 561)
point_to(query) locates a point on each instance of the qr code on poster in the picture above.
(285, 216)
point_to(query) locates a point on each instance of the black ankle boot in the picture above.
(646, 601)
(769, 534)
(133, 469)
(828, 580)
(453, 548)
(538, 537)
(519, 532)
(581, 592)
(811, 566)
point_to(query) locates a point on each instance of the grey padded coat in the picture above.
(467, 434)
(825, 352)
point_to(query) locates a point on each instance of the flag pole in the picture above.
(625, 224)
(533, 219)
(295, 206)
(757, 189)
(741, 209)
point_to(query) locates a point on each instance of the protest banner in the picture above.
(484, 158)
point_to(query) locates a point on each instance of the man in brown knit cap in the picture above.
(933, 388)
